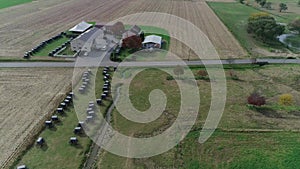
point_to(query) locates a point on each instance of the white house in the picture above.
(152, 41)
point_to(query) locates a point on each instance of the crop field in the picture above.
(44, 19)
(244, 137)
(6, 4)
(28, 96)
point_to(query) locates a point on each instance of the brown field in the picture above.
(27, 98)
(23, 27)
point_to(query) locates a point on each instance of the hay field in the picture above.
(27, 97)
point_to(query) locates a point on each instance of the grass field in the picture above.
(228, 147)
(226, 150)
(67, 51)
(51, 46)
(6, 4)
(294, 43)
(236, 21)
(58, 153)
(285, 16)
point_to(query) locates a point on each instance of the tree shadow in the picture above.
(43, 147)
(77, 146)
(59, 123)
(52, 128)
(64, 114)
(295, 113)
(268, 112)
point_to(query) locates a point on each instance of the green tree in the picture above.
(299, 3)
(264, 27)
(262, 3)
(295, 25)
(282, 7)
(268, 5)
(241, 1)
(258, 1)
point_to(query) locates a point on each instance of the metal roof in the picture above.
(81, 27)
(153, 39)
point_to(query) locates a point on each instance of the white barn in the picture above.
(81, 27)
(152, 41)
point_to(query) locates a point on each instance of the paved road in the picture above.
(93, 61)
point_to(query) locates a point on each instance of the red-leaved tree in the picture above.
(256, 100)
(132, 42)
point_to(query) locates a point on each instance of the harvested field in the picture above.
(27, 97)
(42, 19)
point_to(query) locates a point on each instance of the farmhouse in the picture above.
(134, 30)
(116, 29)
(81, 27)
(85, 41)
(152, 41)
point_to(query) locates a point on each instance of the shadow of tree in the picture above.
(268, 112)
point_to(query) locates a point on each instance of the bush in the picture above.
(256, 100)
(233, 75)
(268, 5)
(286, 100)
(170, 78)
(202, 73)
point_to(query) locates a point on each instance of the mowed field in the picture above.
(27, 97)
(6, 4)
(27, 25)
(245, 138)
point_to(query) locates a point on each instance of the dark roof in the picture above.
(85, 36)
(118, 28)
(135, 29)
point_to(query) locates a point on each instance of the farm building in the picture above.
(81, 27)
(134, 30)
(85, 41)
(116, 29)
(152, 41)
